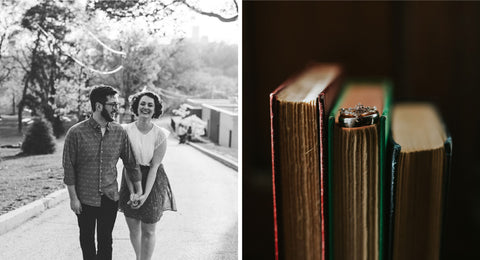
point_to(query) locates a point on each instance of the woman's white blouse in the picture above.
(143, 145)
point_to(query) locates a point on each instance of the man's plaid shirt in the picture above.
(90, 159)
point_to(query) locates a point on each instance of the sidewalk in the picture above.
(205, 226)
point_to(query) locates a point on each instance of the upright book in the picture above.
(298, 111)
(358, 128)
(421, 150)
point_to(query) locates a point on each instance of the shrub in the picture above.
(39, 138)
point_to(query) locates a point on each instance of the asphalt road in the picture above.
(204, 227)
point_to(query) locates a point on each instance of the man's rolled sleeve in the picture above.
(69, 157)
(129, 161)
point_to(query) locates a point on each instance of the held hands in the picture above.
(133, 202)
(136, 200)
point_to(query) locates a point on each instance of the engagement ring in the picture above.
(357, 116)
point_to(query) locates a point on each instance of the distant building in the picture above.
(194, 110)
(196, 33)
(221, 116)
(196, 37)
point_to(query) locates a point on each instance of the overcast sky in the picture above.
(211, 27)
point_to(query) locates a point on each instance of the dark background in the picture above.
(430, 50)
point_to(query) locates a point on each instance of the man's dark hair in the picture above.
(156, 99)
(99, 94)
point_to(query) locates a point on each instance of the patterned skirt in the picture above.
(159, 200)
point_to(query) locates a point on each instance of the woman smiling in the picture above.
(149, 144)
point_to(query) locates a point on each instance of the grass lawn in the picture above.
(24, 179)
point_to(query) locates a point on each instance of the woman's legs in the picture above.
(148, 240)
(134, 225)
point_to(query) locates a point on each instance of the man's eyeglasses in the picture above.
(113, 104)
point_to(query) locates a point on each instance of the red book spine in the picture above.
(272, 136)
(276, 194)
(325, 101)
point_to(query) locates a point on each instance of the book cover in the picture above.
(420, 154)
(298, 113)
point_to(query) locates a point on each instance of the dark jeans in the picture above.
(104, 217)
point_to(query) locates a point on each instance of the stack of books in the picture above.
(354, 175)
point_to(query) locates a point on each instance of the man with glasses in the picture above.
(90, 155)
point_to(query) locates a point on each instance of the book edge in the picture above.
(395, 152)
(336, 85)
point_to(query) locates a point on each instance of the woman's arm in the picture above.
(158, 155)
(134, 192)
(128, 181)
(131, 167)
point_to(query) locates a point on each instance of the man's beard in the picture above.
(106, 115)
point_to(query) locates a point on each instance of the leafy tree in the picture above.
(7, 30)
(139, 63)
(200, 70)
(221, 56)
(179, 70)
(10, 14)
(47, 21)
(38, 46)
(174, 60)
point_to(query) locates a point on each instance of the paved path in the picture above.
(204, 227)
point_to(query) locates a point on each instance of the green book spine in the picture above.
(384, 126)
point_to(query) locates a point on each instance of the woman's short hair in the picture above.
(156, 99)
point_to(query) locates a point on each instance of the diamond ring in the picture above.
(357, 116)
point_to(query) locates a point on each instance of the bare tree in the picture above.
(157, 10)
(220, 17)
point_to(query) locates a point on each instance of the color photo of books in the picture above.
(343, 188)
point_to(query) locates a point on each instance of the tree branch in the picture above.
(211, 14)
(5, 75)
(20, 62)
(2, 38)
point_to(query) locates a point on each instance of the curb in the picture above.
(216, 156)
(15, 218)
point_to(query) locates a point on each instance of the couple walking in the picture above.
(91, 152)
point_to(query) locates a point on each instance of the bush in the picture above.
(39, 138)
